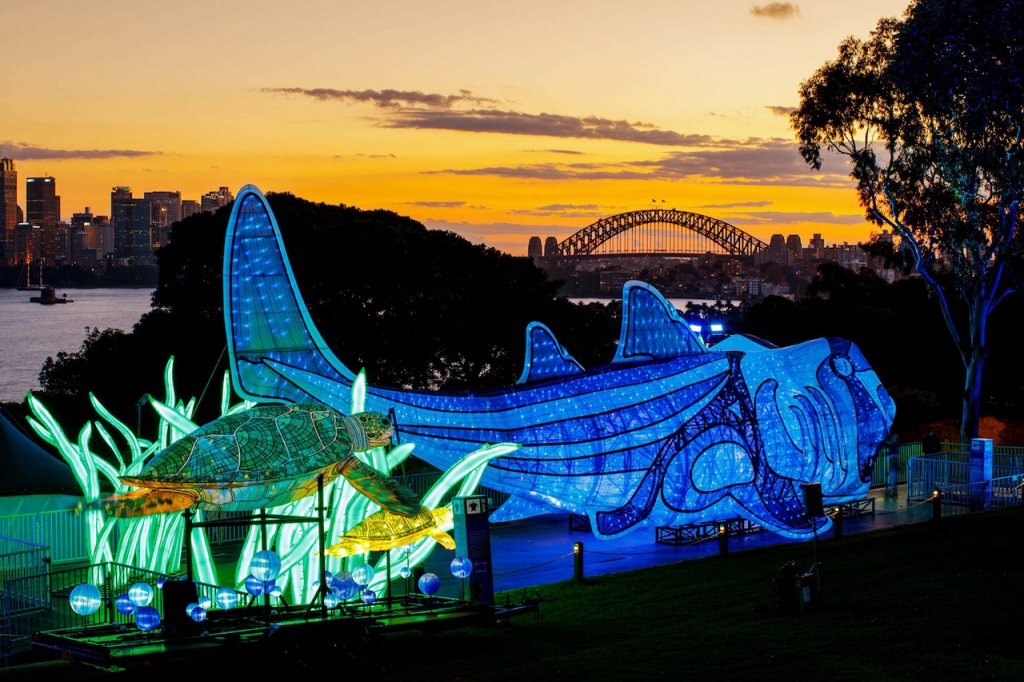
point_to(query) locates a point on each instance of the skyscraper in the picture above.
(166, 207)
(42, 209)
(132, 241)
(118, 194)
(8, 208)
(79, 240)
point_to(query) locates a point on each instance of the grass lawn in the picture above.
(931, 601)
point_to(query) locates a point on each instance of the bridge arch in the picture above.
(729, 238)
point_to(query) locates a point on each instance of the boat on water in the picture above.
(27, 285)
(48, 296)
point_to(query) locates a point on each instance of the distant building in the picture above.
(535, 250)
(166, 208)
(8, 209)
(551, 247)
(86, 238)
(189, 207)
(817, 247)
(612, 281)
(26, 244)
(42, 209)
(211, 201)
(132, 231)
(118, 194)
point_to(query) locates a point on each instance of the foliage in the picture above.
(155, 542)
(930, 110)
(150, 542)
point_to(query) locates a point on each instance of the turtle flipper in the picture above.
(383, 490)
(347, 547)
(146, 501)
(443, 539)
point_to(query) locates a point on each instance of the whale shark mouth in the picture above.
(827, 432)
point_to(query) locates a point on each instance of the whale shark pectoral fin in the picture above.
(640, 503)
(778, 507)
(518, 507)
(651, 327)
(545, 357)
(266, 316)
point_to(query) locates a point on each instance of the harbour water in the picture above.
(679, 303)
(30, 332)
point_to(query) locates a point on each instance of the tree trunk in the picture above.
(971, 412)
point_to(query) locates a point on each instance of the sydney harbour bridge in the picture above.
(664, 232)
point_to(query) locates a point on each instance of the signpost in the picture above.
(473, 540)
(981, 473)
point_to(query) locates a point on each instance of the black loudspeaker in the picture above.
(177, 595)
(812, 499)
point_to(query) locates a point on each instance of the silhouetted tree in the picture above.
(930, 111)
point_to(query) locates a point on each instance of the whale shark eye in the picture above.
(842, 366)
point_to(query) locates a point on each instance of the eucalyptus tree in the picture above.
(929, 111)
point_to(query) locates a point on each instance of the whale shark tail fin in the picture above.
(271, 336)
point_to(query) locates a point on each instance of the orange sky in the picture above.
(497, 120)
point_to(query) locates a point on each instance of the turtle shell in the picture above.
(385, 524)
(265, 443)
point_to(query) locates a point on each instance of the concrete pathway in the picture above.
(538, 551)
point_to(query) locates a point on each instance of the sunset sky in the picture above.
(498, 120)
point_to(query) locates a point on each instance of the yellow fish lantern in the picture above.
(384, 531)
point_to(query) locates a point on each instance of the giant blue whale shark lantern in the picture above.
(671, 432)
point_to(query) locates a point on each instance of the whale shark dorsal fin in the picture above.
(267, 319)
(651, 327)
(545, 357)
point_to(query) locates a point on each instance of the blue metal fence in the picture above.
(37, 601)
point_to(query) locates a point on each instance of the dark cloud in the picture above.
(776, 10)
(788, 218)
(548, 171)
(483, 231)
(755, 162)
(436, 204)
(780, 111)
(739, 204)
(555, 151)
(548, 125)
(565, 211)
(22, 151)
(568, 207)
(387, 99)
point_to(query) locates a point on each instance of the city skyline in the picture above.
(498, 125)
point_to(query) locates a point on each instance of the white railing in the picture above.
(63, 531)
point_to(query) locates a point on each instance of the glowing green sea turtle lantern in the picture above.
(263, 457)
